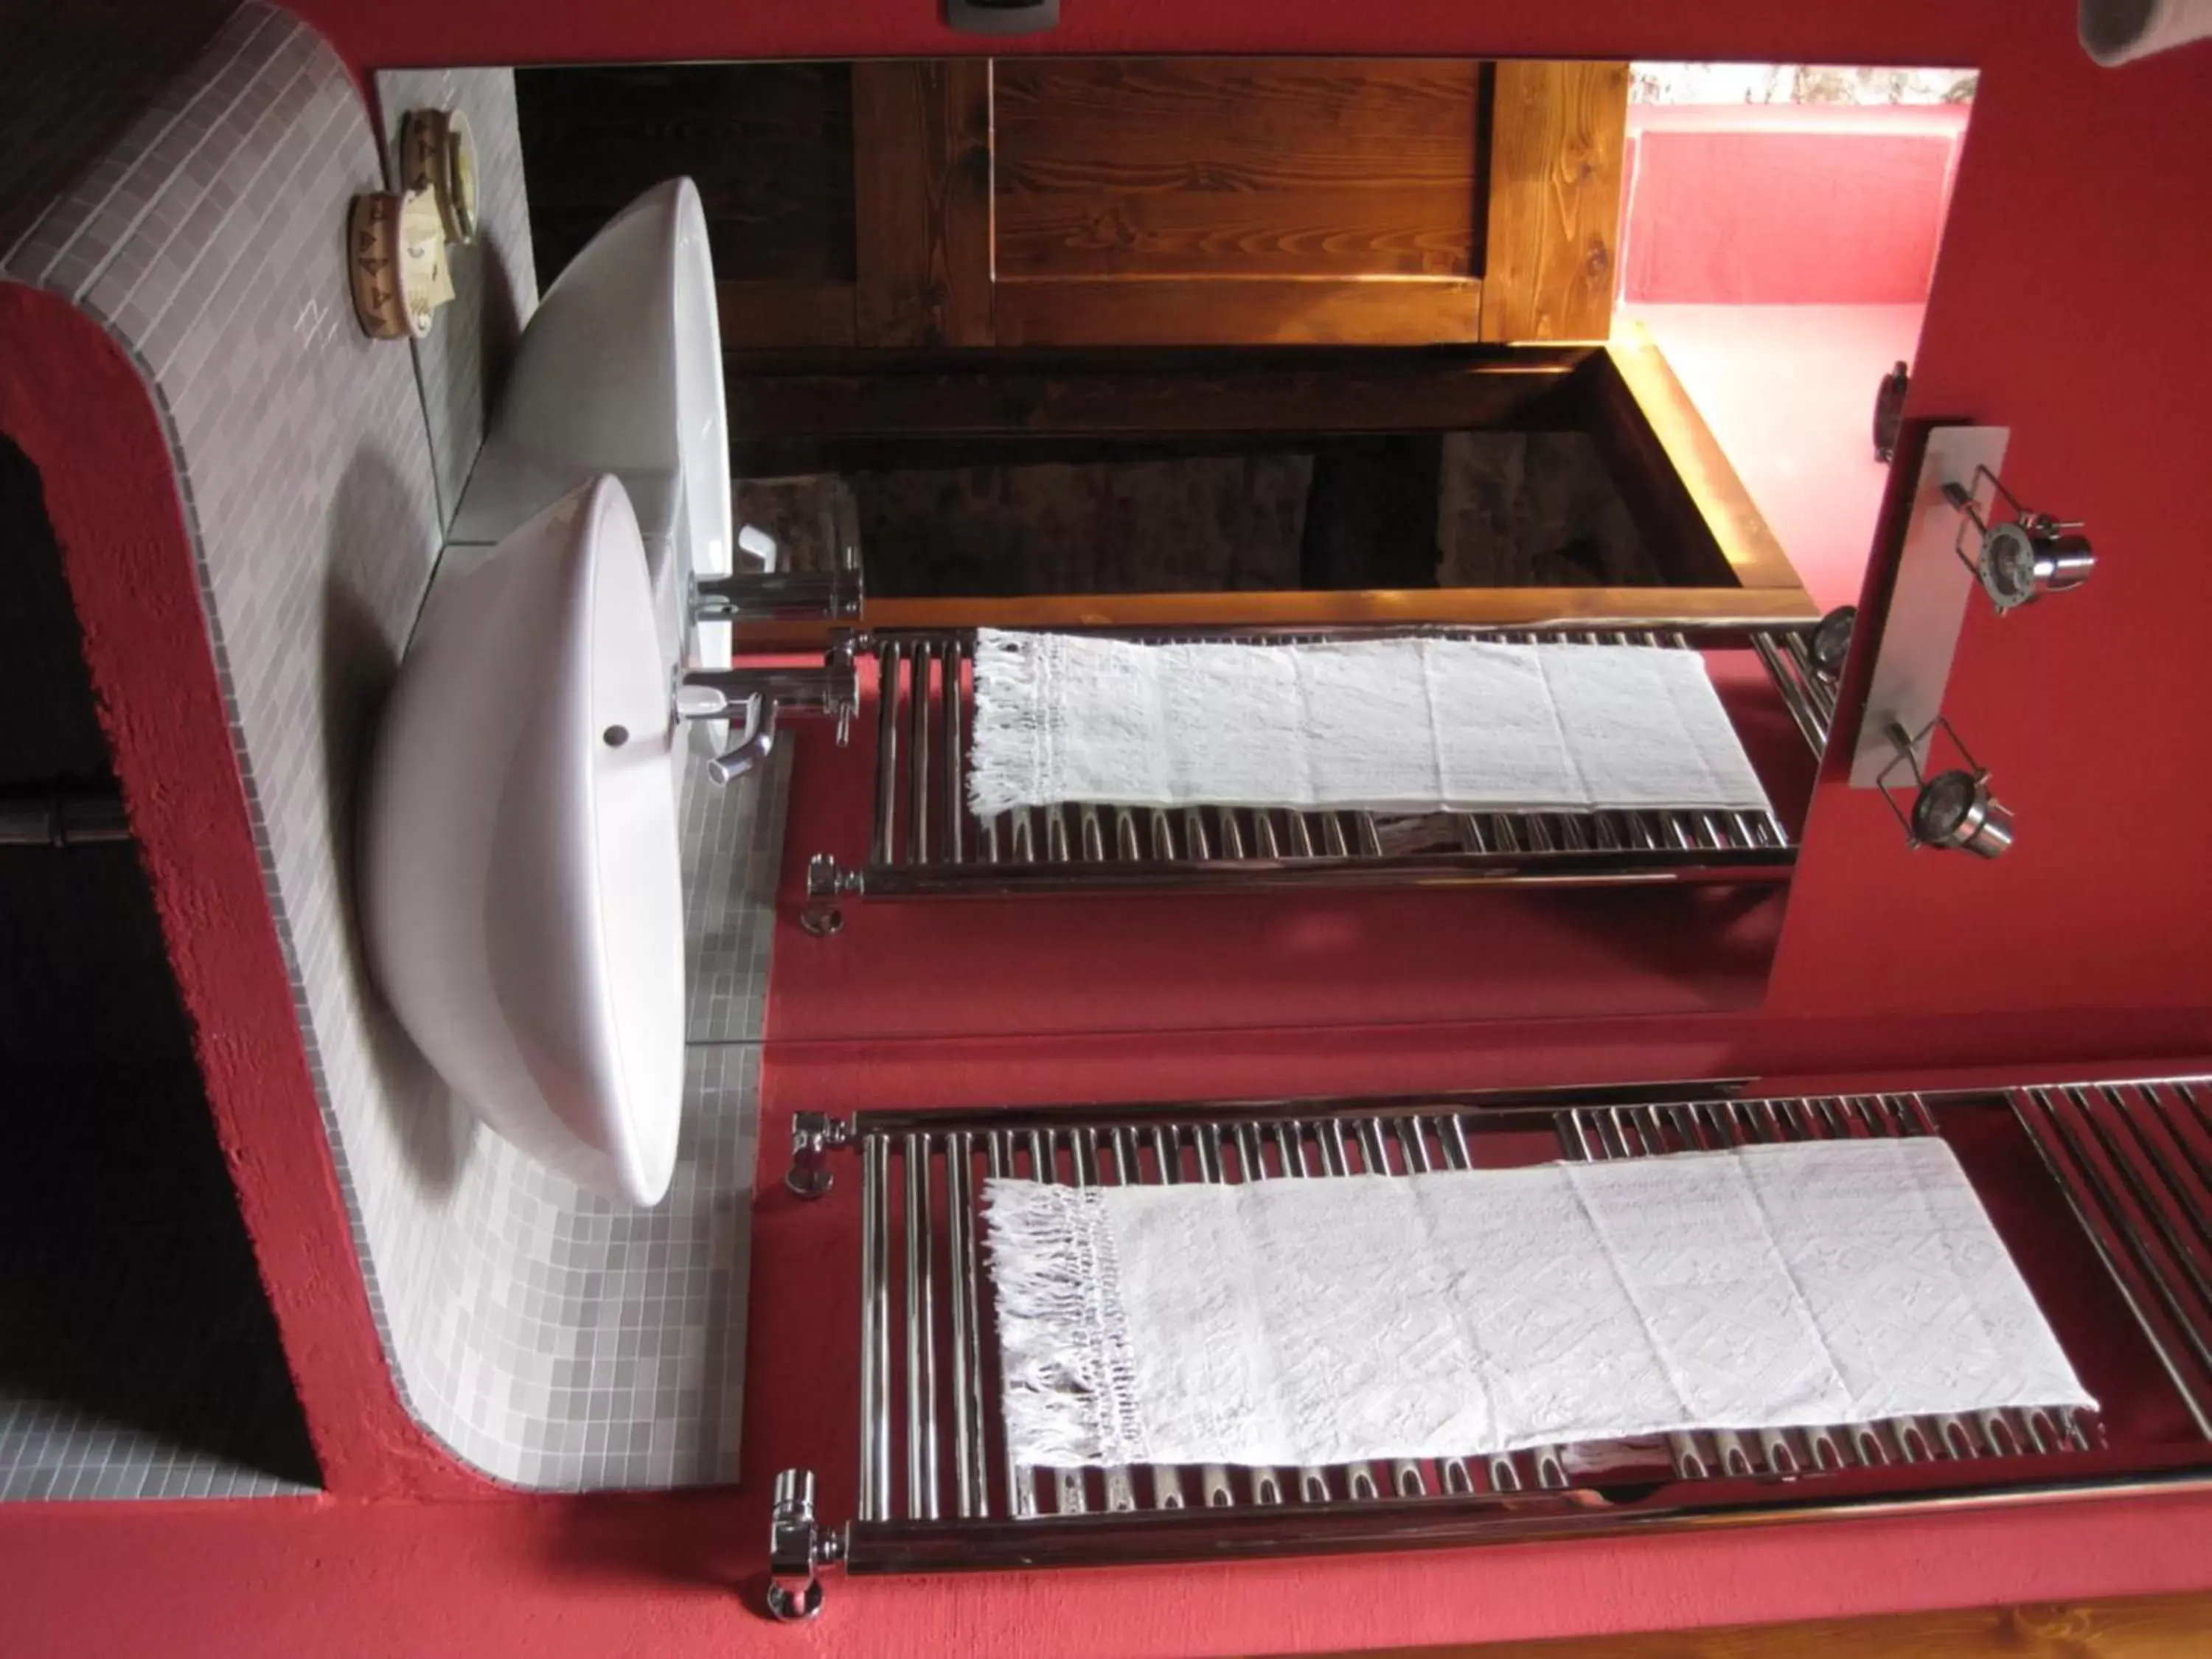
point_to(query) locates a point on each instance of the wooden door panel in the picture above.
(921, 204)
(1234, 201)
(775, 315)
(1249, 168)
(1325, 230)
(769, 146)
(1263, 311)
(914, 203)
(1553, 217)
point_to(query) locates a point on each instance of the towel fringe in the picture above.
(1064, 1348)
(1016, 735)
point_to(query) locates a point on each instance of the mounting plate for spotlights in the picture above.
(1927, 602)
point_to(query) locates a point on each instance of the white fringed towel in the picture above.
(1410, 725)
(1331, 1321)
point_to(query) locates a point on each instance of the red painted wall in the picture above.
(1776, 204)
(2068, 303)
(598, 1580)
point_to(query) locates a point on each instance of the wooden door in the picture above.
(1238, 201)
(1110, 201)
(1174, 201)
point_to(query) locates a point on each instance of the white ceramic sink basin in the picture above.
(620, 370)
(520, 881)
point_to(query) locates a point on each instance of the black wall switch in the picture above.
(1002, 16)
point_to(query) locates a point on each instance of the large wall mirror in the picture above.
(1242, 340)
(1588, 349)
(1127, 340)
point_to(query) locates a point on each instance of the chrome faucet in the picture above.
(761, 697)
(756, 739)
(758, 592)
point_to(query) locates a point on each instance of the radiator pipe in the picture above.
(61, 818)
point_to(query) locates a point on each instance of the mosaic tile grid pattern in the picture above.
(732, 853)
(102, 1411)
(495, 277)
(51, 1447)
(616, 1350)
(53, 1451)
(515, 1310)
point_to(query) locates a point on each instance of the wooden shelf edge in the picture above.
(1602, 609)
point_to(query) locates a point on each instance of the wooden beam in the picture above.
(1256, 311)
(1157, 394)
(1595, 608)
(2147, 1627)
(1624, 607)
(1556, 137)
(921, 202)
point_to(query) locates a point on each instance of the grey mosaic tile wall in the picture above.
(593, 1344)
(50, 1450)
(495, 277)
(73, 77)
(732, 851)
(546, 1337)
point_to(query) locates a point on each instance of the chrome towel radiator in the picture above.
(923, 841)
(2127, 1287)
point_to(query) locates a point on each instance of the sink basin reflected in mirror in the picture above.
(620, 370)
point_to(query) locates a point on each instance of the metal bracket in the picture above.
(798, 1548)
(61, 816)
(813, 1134)
(826, 886)
(1927, 602)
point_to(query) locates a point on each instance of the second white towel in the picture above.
(1330, 1321)
(1412, 724)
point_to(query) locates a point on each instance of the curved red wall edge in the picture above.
(77, 406)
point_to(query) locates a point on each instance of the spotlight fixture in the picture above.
(1889, 411)
(2022, 558)
(1831, 640)
(1951, 808)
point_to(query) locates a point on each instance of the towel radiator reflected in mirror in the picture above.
(924, 843)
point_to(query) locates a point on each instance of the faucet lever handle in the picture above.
(697, 701)
(756, 549)
(755, 744)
